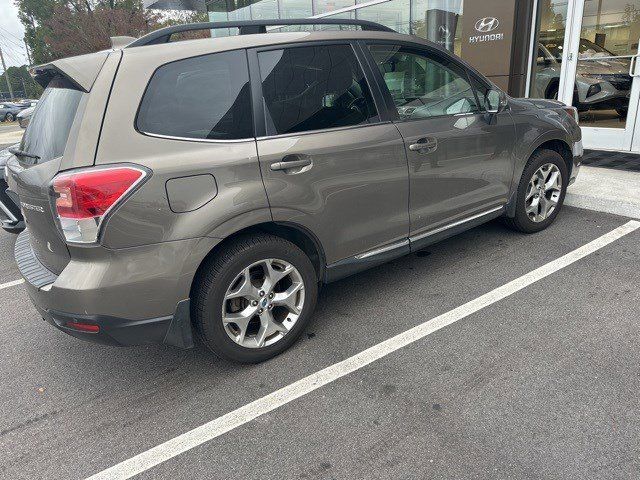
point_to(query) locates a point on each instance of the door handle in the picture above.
(424, 145)
(290, 162)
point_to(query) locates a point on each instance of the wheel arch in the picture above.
(558, 145)
(297, 234)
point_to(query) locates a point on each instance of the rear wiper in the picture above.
(20, 153)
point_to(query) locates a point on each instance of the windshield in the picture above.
(47, 133)
(587, 48)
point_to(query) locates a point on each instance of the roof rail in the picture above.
(248, 27)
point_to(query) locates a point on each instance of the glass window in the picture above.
(205, 97)
(439, 21)
(393, 14)
(48, 130)
(313, 88)
(424, 86)
(550, 30)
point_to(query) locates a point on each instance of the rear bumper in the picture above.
(134, 296)
(112, 331)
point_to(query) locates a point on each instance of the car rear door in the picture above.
(329, 163)
(460, 158)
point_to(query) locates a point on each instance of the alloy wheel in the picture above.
(543, 192)
(263, 303)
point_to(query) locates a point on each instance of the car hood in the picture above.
(611, 67)
(540, 103)
(26, 112)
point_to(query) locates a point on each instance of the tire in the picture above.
(223, 271)
(9, 117)
(552, 92)
(523, 221)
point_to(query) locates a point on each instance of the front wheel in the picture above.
(8, 117)
(254, 298)
(541, 192)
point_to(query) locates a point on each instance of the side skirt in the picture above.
(373, 258)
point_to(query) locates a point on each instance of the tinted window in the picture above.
(48, 130)
(205, 97)
(424, 86)
(312, 88)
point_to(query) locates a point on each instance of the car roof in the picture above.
(187, 48)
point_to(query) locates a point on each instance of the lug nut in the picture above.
(262, 293)
(254, 303)
(270, 306)
(271, 295)
(260, 311)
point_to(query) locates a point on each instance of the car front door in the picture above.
(460, 157)
(329, 164)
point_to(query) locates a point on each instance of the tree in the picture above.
(61, 28)
(21, 82)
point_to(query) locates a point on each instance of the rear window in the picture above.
(205, 97)
(48, 130)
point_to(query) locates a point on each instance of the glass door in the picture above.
(600, 78)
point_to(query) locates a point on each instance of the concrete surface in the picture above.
(606, 190)
(540, 385)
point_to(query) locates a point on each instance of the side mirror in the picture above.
(495, 101)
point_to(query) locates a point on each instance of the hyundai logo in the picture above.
(487, 24)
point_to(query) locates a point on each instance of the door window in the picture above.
(422, 85)
(314, 88)
(206, 97)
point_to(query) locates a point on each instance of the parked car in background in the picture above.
(602, 83)
(25, 116)
(10, 214)
(9, 110)
(27, 103)
(316, 156)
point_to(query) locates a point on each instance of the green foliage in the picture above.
(21, 82)
(60, 28)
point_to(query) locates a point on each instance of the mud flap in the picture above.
(180, 333)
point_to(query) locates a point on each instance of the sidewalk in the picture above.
(606, 190)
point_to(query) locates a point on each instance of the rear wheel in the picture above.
(540, 193)
(9, 117)
(254, 298)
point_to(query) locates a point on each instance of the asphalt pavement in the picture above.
(541, 384)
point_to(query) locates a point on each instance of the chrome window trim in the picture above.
(199, 140)
(454, 224)
(322, 130)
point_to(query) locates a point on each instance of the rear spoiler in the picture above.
(82, 70)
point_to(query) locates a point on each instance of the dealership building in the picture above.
(582, 52)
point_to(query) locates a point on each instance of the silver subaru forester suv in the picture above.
(209, 187)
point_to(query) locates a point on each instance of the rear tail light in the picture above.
(84, 198)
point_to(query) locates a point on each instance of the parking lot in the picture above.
(539, 384)
(10, 133)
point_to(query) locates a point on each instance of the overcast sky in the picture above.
(11, 35)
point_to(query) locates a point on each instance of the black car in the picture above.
(10, 214)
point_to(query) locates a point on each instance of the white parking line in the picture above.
(11, 284)
(221, 425)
